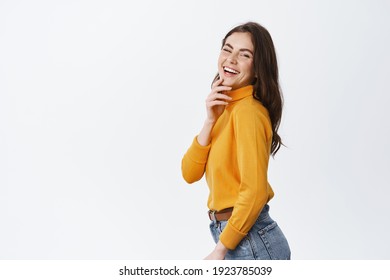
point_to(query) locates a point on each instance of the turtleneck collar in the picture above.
(241, 93)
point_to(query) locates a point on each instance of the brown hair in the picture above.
(266, 82)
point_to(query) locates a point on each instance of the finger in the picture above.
(216, 102)
(218, 96)
(217, 82)
(222, 96)
(221, 88)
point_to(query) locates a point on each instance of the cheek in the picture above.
(249, 69)
(220, 61)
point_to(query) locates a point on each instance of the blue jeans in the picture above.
(264, 241)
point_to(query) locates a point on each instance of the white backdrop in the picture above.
(99, 100)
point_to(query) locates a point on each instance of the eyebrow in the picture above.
(230, 46)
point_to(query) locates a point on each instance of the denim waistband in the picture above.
(264, 214)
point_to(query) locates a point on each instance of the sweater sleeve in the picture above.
(253, 134)
(194, 161)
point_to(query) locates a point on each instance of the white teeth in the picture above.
(230, 70)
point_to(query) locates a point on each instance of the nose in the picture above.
(232, 58)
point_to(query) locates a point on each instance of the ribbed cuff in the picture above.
(197, 152)
(231, 237)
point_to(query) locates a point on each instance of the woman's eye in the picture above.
(245, 55)
(226, 50)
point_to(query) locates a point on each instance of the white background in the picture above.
(99, 100)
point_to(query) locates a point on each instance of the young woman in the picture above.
(244, 110)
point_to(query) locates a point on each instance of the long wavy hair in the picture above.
(266, 87)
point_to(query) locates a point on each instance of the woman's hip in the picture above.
(264, 241)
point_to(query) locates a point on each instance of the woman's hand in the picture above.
(218, 253)
(216, 101)
(215, 105)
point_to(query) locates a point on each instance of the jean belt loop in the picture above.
(213, 218)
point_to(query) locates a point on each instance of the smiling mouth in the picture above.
(230, 70)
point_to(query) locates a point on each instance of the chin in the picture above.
(232, 84)
(227, 82)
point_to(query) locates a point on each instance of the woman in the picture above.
(244, 110)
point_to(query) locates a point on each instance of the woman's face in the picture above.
(235, 63)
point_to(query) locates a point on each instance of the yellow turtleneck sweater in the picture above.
(236, 163)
